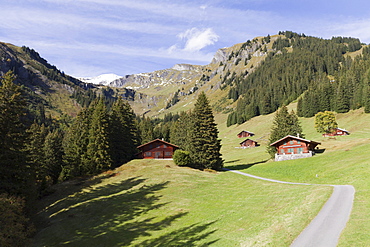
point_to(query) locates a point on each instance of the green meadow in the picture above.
(156, 203)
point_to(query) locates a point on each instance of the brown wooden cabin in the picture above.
(248, 143)
(294, 145)
(245, 133)
(337, 132)
(156, 149)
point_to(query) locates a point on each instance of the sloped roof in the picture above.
(167, 143)
(296, 138)
(343, 130)
(246, 131)
(247, 140)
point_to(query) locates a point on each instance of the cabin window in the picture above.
(157, 154)
(164, 146)
(284, 143)
(148, 154)
(167, 153)
(292, 142)
(300, 150)
(290, 150)
(299, 142)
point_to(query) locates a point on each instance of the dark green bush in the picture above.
(182, 158)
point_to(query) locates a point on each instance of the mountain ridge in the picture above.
(174, 89)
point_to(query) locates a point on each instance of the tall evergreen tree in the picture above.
(16, 177)
(205, 143)
(146, 130)
(123, 132)
(182, 130)
(284, 124)
(75, 143)
(97, 157)
(53, 154)
(35, 151)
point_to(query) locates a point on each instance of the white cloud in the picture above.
(197, 39)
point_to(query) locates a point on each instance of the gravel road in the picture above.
(325, 229)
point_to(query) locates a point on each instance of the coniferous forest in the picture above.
(36, 154)
(319, 73)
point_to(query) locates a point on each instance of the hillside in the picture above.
(46, 86)
(258, 76)
(182, 206)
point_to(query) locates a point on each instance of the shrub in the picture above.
(182, 158)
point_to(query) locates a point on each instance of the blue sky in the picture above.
(92, 37)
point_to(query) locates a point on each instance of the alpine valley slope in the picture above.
(154, 92)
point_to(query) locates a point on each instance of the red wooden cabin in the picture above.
(337, 132)
(248, 143)
(245, 133)
(294, 145)
(156, 149)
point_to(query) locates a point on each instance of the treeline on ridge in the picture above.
(316, 68)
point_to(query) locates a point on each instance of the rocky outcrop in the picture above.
(179, 74)
(182, 67)
(220, 56)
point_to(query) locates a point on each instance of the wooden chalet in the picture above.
(248, 143)
(292, 147)
(245, 133)
(337, 132)
(156, 149)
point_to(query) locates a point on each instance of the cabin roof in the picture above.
(296, 138)
(167, 143)
(247, 140)
(246, 131)
(343, 130)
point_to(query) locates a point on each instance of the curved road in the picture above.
(325, 229)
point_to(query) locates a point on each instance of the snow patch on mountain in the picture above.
(103, 79)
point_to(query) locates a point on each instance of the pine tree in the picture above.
(35, 152)
(123, 132)
(284, 124)
(205, 145)
(15, 175)
(295, 126)
(75, 143)
(342, 99)
(146, 130)
(97, 156)
(182, 130)
(53, 154)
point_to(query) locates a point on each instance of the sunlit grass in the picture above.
(345, 160)
(151, 203)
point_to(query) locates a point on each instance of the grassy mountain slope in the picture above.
(44, 83)
(153, 203)
(344, 161)
(156, 89)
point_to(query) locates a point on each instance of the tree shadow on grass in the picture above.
(231, 161)
(186, 236)
(245, 166)
(114, 215)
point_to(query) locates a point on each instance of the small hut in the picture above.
(245, 133)
(248, 143)
(156, 149)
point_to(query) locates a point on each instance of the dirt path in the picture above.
(325, 229)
